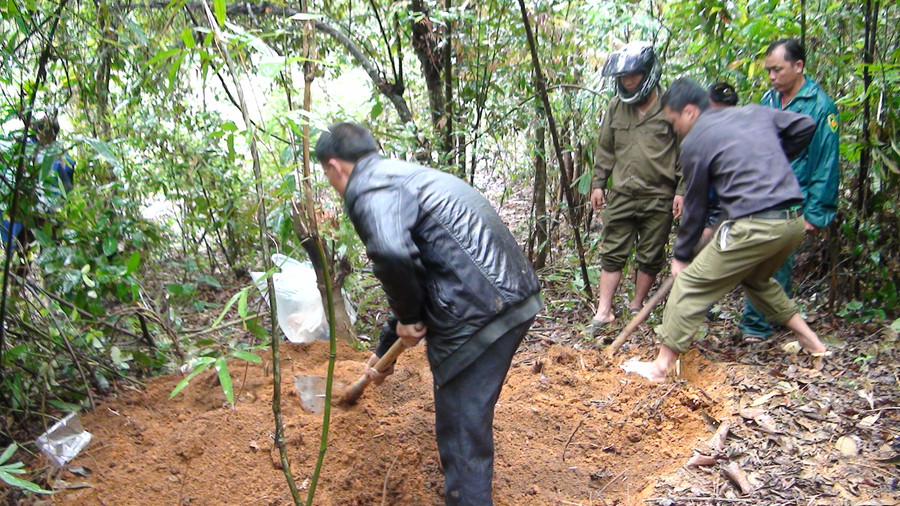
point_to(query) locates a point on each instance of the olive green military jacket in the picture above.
(641, 154)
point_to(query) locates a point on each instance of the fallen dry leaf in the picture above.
(847, 446)
(764, 399)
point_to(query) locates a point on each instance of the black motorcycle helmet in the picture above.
(635, 56)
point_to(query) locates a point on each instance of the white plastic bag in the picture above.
(297, 300)
(64, 440)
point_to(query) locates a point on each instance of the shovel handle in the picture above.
(641, 316)
(390, 356)
(354, 391)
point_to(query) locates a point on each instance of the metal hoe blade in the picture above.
(311, 390)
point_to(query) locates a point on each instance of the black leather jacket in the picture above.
(443, 257)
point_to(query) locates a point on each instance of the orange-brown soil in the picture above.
(570, 428)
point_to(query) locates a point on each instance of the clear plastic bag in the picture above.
(64, 440)
(301, 315)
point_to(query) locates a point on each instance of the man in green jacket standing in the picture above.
(817, 168)
(638, 148)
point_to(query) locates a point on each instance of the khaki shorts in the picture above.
(639, 223)
(746, 251)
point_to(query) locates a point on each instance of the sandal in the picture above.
(595, 327)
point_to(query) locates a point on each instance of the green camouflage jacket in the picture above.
(817, 167)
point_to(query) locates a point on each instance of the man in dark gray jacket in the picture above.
(742, 153)
(454, 275)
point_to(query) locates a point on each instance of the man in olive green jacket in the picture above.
(638, 148)
(817, 168)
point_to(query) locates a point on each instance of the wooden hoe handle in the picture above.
(354, 391)
(641, 316)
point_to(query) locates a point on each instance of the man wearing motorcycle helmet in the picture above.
(636, 181)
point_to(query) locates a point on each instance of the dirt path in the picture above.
(569, 428)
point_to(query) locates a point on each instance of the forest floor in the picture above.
(571, 428)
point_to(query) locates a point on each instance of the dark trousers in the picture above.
(464, 417)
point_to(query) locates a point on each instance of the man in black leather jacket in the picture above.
(453, 274)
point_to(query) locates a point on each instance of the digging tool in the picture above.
(311, 388)
(641, 316)
(352, 394)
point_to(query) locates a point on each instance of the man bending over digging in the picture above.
(453, 275)
(736, 152)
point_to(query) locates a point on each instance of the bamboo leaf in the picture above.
(246, 355)
(225, 379)
(102, 149)
(8, 452)
(203, 364)
(231, 302)
(23, 484)
(242, 303)
(220, 12)
(188, 38)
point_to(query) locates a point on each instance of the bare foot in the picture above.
(811, 344)
(604, 317)
(648, 370)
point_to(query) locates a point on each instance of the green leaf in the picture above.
(163, 55)
(255, 328)
(23, 484)
(220, 12)
(209, 280)
(133, 263)
(63, 406)
(230, 303)
(854, 305)
(110, 245)
(896, 325)
(173, 70)
(246, 355)
(8, 452)
(242, 303)
(14, 353)
(116, 355)
(102, 150)
(200, 364)
(377, 109)
(188, 38)
(225, 379)
(84, 276)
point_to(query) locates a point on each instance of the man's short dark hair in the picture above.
(682, 92)
(46, 125)
(345, 141)
(793, 50)
(723, 93)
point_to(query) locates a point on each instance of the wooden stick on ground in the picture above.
(641, 316)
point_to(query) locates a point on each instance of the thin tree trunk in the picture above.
(865, 156)
(540, 192)
(267, 260)
(564, 180)
(425, 45)
(448, 91)
(803, 23)
(304, 220)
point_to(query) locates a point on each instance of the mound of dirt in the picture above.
(570, 427)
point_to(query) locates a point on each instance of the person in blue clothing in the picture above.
(817, 168)
(54, 171)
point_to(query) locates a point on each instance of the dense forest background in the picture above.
(189, 126)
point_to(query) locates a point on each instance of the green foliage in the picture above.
(7, 472)
(217, 361)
